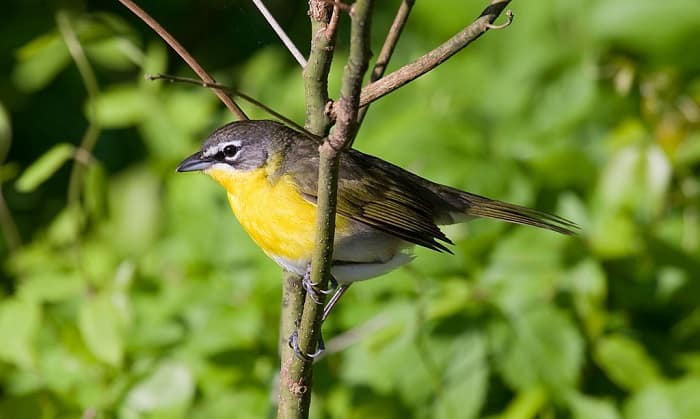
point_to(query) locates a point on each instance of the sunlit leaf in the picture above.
(465, 378)
(19, 325)
(625, 362)
(586, 407)
(121, 106)
(169, 388)
(44, 167)
(669, 400)
(39, 62)
(540, 346)
(102, 329)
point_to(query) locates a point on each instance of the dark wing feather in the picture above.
(377, 194)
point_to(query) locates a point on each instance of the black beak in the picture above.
(194, 163)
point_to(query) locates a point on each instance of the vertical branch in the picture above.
(392, 38)
(294, 397)
(296, 372)
(318, 66)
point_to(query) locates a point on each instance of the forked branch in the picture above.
(434, 58)
(182, 52)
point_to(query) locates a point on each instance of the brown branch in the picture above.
(182, 52)
(323, 29)
(392, 38)
(234, 92)
(434, 58)
(339, 4)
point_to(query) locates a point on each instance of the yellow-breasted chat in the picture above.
(270, 173)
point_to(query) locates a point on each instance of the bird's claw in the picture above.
(293, 342)
(313, 289)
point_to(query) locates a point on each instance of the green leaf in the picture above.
(588, 286)
(101, 327)
(586, 407)
(115, 53)
(135, 209)
(526, 404)
(628, 22)
(45, 166)
(169, 388)
(668, 400)
(540, 346)
(96, 190)
(625, 362)
(465, 380)
(39, 62)
(121, 106)
(52, 286)
(19, 324)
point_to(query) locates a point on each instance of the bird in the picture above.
(270, 173)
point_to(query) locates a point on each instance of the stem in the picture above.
(434, 58)
(7, 223)
(280, 33)
(317, 68)
(392, 38)
(182, 52)
(294, 394)
(296, 373)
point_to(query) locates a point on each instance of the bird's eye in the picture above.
(230, 150)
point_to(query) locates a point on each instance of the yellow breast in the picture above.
(275, 215)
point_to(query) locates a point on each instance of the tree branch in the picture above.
(392, 38)
(295, 376)
(434, 58)
(182, 52)
(296, 372)
(318, 66)
(280, 33)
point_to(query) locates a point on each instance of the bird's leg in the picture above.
(294, 338)
(334, 300)
(294, 344)
(312, 288)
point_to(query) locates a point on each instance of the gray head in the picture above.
(240, 146)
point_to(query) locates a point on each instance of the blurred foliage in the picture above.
(130, 291)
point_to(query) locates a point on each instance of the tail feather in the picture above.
(480, 206)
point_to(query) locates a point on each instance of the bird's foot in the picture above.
(313, 289)
(293, 342)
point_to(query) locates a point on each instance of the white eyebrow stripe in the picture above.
(221, 146)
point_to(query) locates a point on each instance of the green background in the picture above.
(135, 293)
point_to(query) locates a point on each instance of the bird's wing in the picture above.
(378, 194)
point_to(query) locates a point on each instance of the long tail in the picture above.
(479, 206)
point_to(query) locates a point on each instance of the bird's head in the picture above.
(239, 147)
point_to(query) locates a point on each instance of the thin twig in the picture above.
(340, 5)
(182, 52)
(280, 33)
(332, 27)
(233, 92)
(392, 38)
(89, 140)
(7, 223)
(510, 15)
(433, 58)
